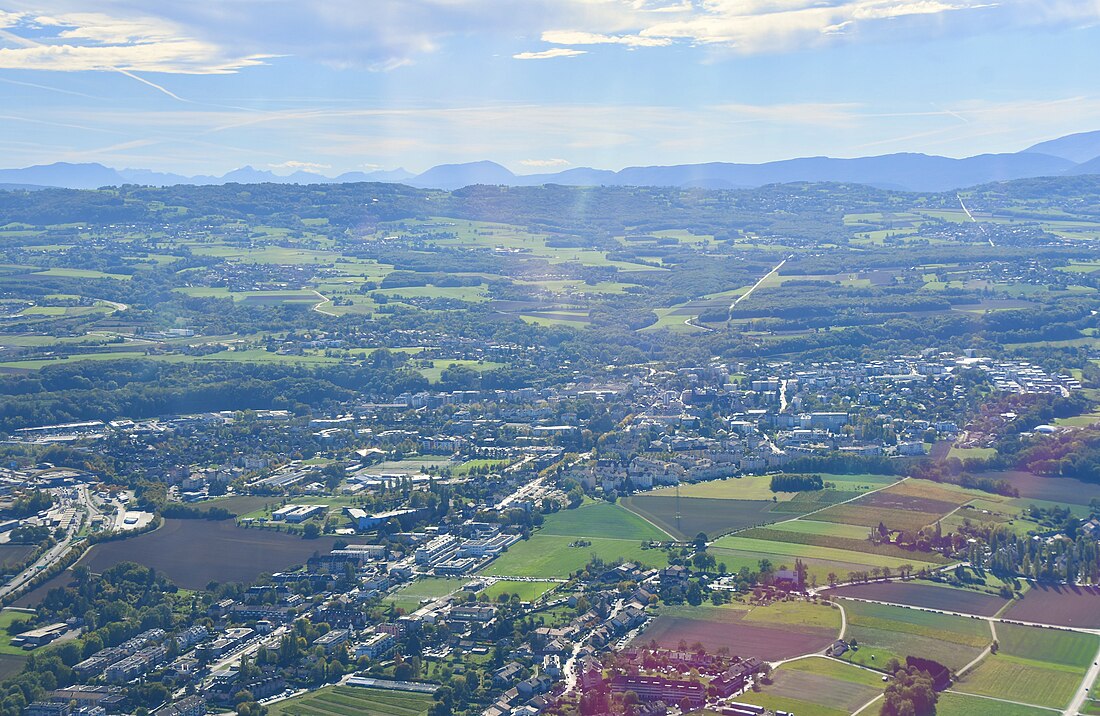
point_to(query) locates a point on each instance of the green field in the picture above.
(792, 550)
(7, 616)
(600, 519)
(527, 591)
(1008, 677)
(885, 632)
(353, 701)
(550, 556)
(824, 529)
(952, 704)
(410, 596)
(964, 453)
(774, 702)
(1053, 646)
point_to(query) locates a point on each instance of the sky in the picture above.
(536, 85)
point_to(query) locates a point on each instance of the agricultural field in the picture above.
(1062, 490)
(928, 595)
(1057, 647)
(410, 596)
(14, 554)
(884, 632)
(559, 556)
(852, 544)
(909, 505)
(527, 591)
(818, 685)
(1061, 605)
(955, 704)
(193, 553)
(791, 550)
(601, 519)
(353, 701)
(1006, 677)
(712, 517)
(773, 632)
(746, 487)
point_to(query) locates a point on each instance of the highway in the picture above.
(86, 509)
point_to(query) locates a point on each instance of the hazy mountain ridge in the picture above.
(1071, 155)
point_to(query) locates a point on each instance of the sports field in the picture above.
(411, 595)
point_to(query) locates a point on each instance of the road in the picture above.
(1083, 690)
(691, 321)
(1082, 694)
(963, 205)
(756, 285)
(86, 508)
(317, 307)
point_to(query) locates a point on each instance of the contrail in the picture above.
(154, 85)
(27, 42)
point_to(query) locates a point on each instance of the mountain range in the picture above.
(1074, 154)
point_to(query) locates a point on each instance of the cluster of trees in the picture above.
(911, 692)
(1007, 554)
(796, 482)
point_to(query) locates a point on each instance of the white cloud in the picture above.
(545, 163)
(78, 42)
(573, 37)
(549, 54)
(301, 166)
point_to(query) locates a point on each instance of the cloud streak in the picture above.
(549, 54)
(83, 42)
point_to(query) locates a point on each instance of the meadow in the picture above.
(526, 591)
(551, 556)
(353, 701)
(601, 519)
(410, 596)
(884, 632)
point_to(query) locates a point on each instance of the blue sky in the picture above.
(537, 85)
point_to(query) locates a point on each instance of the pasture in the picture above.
(7, 617)
(353, 701)
(551, 556)
(885, 632)
(600, 519)
(526, 591)
(953, 704)
(1050, 646)
(1006, 677)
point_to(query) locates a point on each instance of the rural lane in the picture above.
(1083, 690)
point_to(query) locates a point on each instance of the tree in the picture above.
(311, 530)
(909, 693)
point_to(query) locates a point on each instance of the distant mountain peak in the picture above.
(910, 171)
